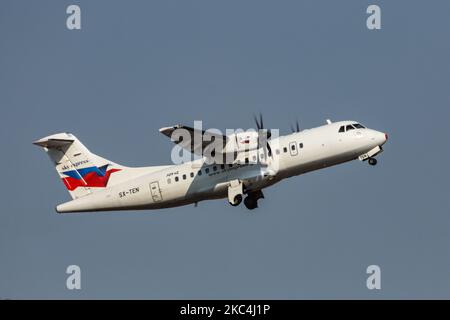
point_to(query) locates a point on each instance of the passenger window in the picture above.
(284, 149)
(222, 166)
(184, 177)
(293, 147)
(254, 158)
(342, 129)
(246, 160)
(230, 165)
(192, 174)
(207, 170)
(168, 181)
(300, 145)
(176, 179)
(349, 127)
(199, 172)
(215, 168)
(277, 151)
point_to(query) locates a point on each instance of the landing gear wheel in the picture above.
(251, 203)
(372, 161)
(237, 200)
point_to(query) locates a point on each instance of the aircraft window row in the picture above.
(277, 151)
(293, 147)
(351, 127)
(200, 172)
(222, 166)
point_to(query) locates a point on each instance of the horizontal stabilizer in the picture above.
(53, 143)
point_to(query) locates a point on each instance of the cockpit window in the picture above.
(358, 126)
(349, 127)
(342, 129)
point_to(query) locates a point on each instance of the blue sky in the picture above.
(137, 66)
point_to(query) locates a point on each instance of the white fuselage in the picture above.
(177, 185)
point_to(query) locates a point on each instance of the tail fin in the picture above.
(81, 171)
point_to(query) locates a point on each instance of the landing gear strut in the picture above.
(235, 192)
(372, 161)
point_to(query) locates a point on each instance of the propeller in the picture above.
(297, 127)
(260, 126)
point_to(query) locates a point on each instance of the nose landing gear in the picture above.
(369, 156)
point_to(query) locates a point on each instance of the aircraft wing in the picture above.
(199, 139)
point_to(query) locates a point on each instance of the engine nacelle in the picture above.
(242, 141)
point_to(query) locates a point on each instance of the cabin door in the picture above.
(155, 191)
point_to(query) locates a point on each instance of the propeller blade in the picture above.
(269, 149)
(263, 136)
(257, 123)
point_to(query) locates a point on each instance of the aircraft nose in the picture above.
(385, 137)
(379, 138)
(382, 137)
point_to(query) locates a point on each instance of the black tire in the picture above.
(237, 200)
(251, 203)
(372, 161)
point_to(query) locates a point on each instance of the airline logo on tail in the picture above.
(88, 177)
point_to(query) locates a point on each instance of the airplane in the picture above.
(258, 160)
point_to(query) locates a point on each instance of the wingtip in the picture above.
(39, 142)
(163, 129)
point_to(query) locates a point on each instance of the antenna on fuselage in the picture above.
(329, 121)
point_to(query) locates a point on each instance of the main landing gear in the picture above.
(236, 194)
(251, 202)
(236, 200)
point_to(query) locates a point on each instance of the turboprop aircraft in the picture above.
(242, 166)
